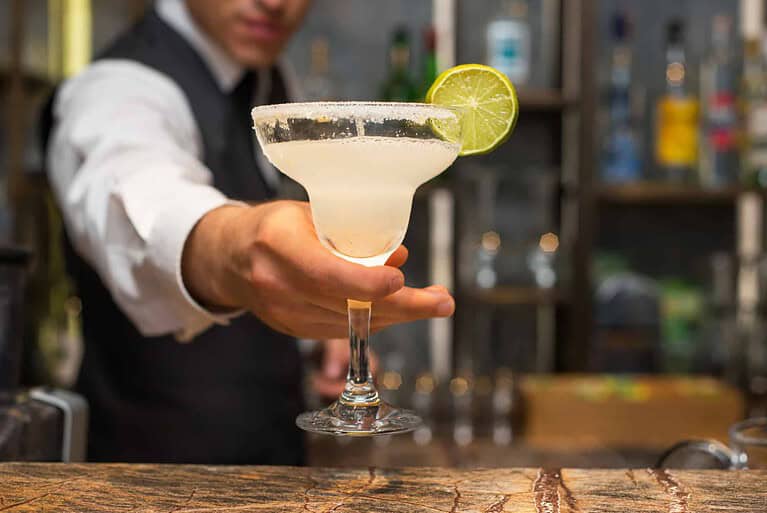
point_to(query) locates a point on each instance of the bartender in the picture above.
(194, 286)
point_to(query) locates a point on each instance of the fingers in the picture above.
(316, 270)
(398, 258)
(409, 304)
(297, 286)
(308, 313)
(299, 329)
(406, 305)
(389, 307)
(318, 330)
(287, 249)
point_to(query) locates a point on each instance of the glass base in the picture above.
(342, 419)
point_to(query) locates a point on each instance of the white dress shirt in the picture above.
(125, 165)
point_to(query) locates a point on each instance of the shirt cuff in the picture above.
(166, 248)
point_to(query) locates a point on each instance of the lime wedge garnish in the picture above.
(488, 100)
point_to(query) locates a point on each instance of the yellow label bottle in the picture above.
(676, 139)
(676, 131)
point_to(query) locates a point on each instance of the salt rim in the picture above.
(369, 111)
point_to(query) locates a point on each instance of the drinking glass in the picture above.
(748, 448)
(360, 163)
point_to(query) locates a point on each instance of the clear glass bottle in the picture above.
(399, 84)
(319, 85)
(718, 165)
(621, 160)
(677, 112)
(508, 41)
(753, 100)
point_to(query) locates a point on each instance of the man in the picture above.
(152, 159)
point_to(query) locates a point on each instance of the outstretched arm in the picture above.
(268, 259)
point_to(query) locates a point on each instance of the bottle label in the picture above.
(622, 157)
(721, 122)
(508, 49)
(677, 134)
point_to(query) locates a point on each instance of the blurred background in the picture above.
(607, 262)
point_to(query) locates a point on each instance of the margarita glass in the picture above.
(360, 163)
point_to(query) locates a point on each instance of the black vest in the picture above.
(231, 395)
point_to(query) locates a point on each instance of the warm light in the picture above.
(549, 242)
(491, 242)
(391, 380)
(459, 386)
(675, 72)
(424, 384)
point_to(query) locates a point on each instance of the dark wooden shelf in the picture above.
(33, 82)
(541, 99)
(647, 193)
(511, 296)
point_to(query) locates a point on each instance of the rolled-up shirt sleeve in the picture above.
(124, 163)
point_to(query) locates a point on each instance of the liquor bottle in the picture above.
(429, 73)
(718, 166)
(319, 85)
(676, 134)
(508, 41)
(621, 161)
(399, 85)
(753, 99)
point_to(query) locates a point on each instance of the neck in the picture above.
(226, 69)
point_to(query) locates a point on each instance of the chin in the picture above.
(256, 57)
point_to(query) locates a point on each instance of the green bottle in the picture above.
(399, 85)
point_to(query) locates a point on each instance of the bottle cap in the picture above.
(401, 36)
(675, 32)
(621, 26)
(430, 39)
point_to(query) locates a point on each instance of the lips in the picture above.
(261, 30)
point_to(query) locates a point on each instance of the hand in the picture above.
(267, 258)
(330, 377)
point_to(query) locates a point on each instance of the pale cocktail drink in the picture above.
(361, 188)
(360, 163)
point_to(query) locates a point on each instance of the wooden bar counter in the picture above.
(40, 487)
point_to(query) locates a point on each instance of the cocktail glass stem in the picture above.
(360, 389)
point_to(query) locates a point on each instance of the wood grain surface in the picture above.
(39, 487)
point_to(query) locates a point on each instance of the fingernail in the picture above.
(396, 283)
(445, 308)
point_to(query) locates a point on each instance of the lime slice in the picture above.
(489, 101)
